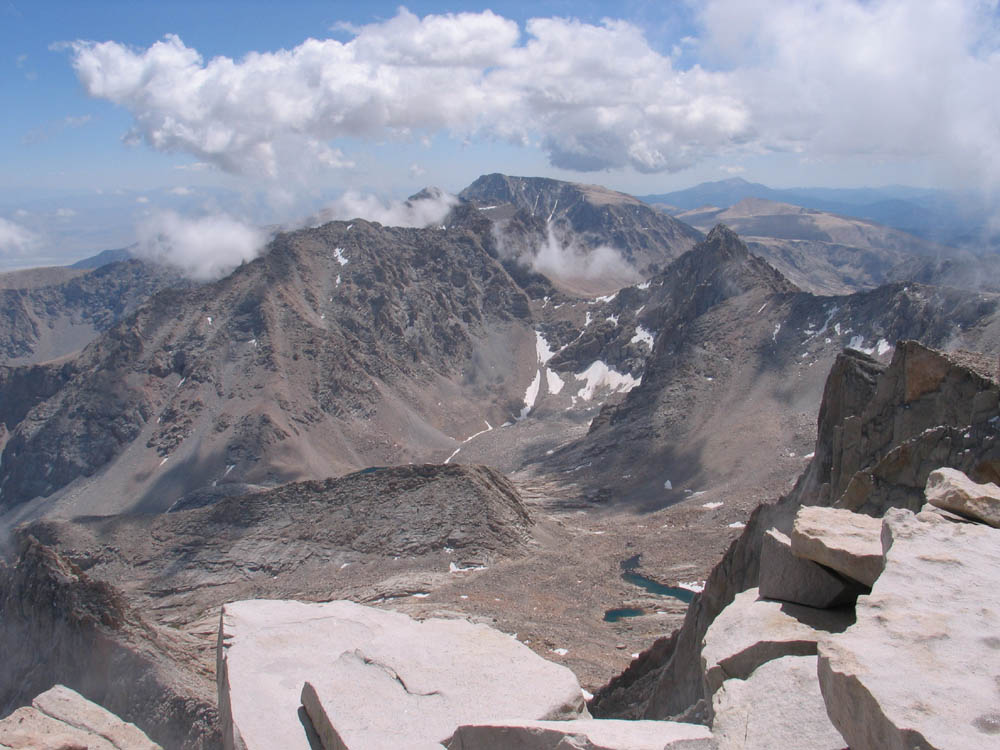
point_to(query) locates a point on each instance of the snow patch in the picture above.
(882, 347)
(737, 525)
(554, 382)
(542, 348)
(777, 327)
(560, 651)
(613, 319)
(531, 394)
(599, 375)
(642, 336)
(711, 506)
(453, 568)
(761, 308)
(668, 485)
(695, 586)
(338, 253)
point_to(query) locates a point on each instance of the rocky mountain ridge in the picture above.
(53, 316)
(538, 218)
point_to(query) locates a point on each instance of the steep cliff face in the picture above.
(881, 430)
(61, 626)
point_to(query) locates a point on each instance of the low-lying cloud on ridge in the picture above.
(885, 78)
(210, 247)
(203, 248)
(425, 210)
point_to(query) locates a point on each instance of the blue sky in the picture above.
(237, 113)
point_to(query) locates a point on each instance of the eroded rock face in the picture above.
(59, 625)
(850, 543)
(779, 705)
(953, 491)
(582, 734)
(919, 667)
(374, 679)
(62, 719)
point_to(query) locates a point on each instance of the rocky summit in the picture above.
(556, 471)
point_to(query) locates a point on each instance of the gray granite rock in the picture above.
(919, 668)
(370, 678)
(789, 578)
(952, 490)
(752, 631)
(62, 719)
(582, 734)
(848, 542)
(71, 708)
(779, 705)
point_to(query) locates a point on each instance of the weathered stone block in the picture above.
(850, 543)
(789, 578)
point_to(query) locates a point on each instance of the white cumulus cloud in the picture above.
(886, 78)
(202, 248)
(598, 95)
(16, 239)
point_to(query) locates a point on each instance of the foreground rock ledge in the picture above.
(376, 679)
(582, 734)
(921, 666)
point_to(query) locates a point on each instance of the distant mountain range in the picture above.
(948, 218)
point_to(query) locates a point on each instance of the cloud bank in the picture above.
(203, 248)
(886, 78)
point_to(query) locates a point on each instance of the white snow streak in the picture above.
(542, 348)
(471, 437)
(531, 394)
(339, 254)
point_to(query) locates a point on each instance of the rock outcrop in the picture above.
(953, 491)
(62, 719)
(846, 542)
(57, 625)
(752, 631)
(778, 705)
(374, 679)
(880, 429)
(919, 667)
(788, 578)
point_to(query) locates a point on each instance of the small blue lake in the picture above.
(647, 584)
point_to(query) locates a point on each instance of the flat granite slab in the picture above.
(371, 678)
(582, 734)
(921, 666)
